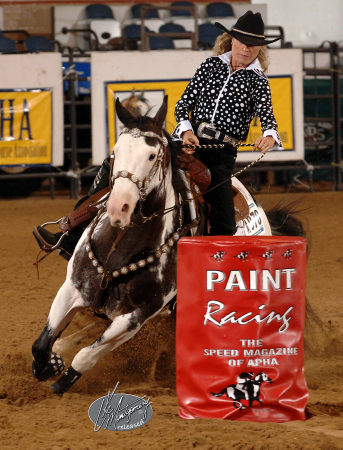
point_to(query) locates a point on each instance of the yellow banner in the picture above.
(142, 95)
(139, 97)
(25, 127)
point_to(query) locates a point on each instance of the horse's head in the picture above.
(262, 377)
(139, 159)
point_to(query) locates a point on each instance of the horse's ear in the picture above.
(161, 113)
(123, 114)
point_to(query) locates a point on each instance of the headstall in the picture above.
(142, 185)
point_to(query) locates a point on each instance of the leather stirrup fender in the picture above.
(84, 213)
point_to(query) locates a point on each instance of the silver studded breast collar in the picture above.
(142, 185)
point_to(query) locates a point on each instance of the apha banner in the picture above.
(140, 96)
(25, 126)
(239, 328)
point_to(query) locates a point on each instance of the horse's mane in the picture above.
(145, 123)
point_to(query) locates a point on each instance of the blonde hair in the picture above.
(223, 44)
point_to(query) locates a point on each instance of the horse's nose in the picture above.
(119, 212)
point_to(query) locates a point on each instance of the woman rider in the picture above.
(218, 105)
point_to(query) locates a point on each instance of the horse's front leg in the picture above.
(67, 303)
(121, 330)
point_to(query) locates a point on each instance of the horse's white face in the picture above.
(135, 156)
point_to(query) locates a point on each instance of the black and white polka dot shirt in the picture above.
(229, 100)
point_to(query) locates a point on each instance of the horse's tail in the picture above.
(283, 220)
(220, 393)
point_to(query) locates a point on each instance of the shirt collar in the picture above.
(226, 58)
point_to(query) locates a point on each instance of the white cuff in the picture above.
(184, 125)
(277, 139)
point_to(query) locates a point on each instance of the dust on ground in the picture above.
(32, 417)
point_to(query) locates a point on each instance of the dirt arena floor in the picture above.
(33, 418)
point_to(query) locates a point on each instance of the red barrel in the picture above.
(240, 324)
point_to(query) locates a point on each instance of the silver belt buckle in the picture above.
(203, 125)
(230, 140)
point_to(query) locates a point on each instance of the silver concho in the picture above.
(135, 132)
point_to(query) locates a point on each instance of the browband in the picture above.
(136, 133)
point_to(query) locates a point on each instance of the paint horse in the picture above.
(129, 249)
(125, 261)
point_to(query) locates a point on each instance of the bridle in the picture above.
(142, 185)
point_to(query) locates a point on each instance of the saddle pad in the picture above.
(240, 322)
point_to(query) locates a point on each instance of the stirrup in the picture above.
(62, 219)
(59, 242)
(45, 245)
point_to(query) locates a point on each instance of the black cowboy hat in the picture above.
(249, 30)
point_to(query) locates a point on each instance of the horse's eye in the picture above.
(151, 157)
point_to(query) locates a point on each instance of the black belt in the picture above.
(209, 131)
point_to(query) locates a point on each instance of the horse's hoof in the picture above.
(66, 381)
(54, 367)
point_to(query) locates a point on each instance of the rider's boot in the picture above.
(46, 240)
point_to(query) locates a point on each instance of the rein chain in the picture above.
(164, 248)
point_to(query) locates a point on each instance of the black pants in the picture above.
(220, 163)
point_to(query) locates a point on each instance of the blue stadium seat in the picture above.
(172, 28)
(217, 9)
(99, 11)
(133, 31)
(161, 43)
(136, 11)
(181, 12)
(7, 45)
(208, 34)
(38, 44)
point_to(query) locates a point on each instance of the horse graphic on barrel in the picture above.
(248, 388)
